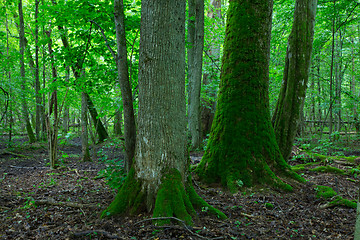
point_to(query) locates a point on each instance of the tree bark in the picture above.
(242, 148)
(84, 130)
(52, 117)
(208, 107)
(37, 79)
(195, 58)
(291, 99)
(123, 75)
(25, 112)
(159, 180)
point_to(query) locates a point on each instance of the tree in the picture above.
(25, 112)
(123, 75)
(195, 59)
(242, 148)
(286, 117)
(159, 180)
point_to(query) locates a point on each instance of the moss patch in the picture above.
(325, 192)
(328, 169)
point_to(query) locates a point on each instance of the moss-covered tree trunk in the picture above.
(286, 117)
(242, 149)
(159, 180)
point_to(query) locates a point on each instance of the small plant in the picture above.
(269, 206)
(113, 173)
(239, 183)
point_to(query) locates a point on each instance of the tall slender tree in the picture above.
(123, 75)
(242, 149)
(195, 59)
(291, 99)
(25, 111)
(159, 180)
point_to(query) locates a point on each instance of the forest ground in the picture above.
(39, 203)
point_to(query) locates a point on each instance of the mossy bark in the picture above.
(175, 198)
(288, 111)
(242, 148)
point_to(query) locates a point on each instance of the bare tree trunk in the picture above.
(10, 117)
(208, 107)
(66, 115)
(52, 117)
(289, 106)
(37, 80)
(84, 130)
(195, 58)
(117, 123)
(126, 92)
(25, 111)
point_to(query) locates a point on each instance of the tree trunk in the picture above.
(25, 112)
(37, 79)
(123, 75)
(10, 115)
(84, 130)
(52, 117)
(159, 180)
(208, 107)
(242, 148)
(291, 99)
(195, 58)
(117, 123)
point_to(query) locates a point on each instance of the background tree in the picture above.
(242, 148)
(25, 112)
(296, 73)
(195, 59)
(159, 180)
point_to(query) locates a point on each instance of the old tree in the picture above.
(159, 179)
(242, 148)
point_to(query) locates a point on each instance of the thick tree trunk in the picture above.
(25, 112)
(195, 58)
(159, 180)
(291, 99)
(84, 130)
(123, 75)
(242, 149)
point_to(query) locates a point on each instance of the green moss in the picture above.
(269, 206)
(172, 200)
(328, 169)
(298, 168)
(199, 203)
(325, 192)
(128, 199)
(339, 201)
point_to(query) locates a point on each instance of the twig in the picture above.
(179, 220)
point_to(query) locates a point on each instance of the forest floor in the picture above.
(39, 203)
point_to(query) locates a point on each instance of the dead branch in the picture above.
(64, 204)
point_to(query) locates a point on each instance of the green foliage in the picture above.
(324, 192)
(113, 173)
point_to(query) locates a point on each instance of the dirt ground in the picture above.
(39, 203)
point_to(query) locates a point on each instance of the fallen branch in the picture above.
(66, 204)
(12, 153)
(96, 232)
